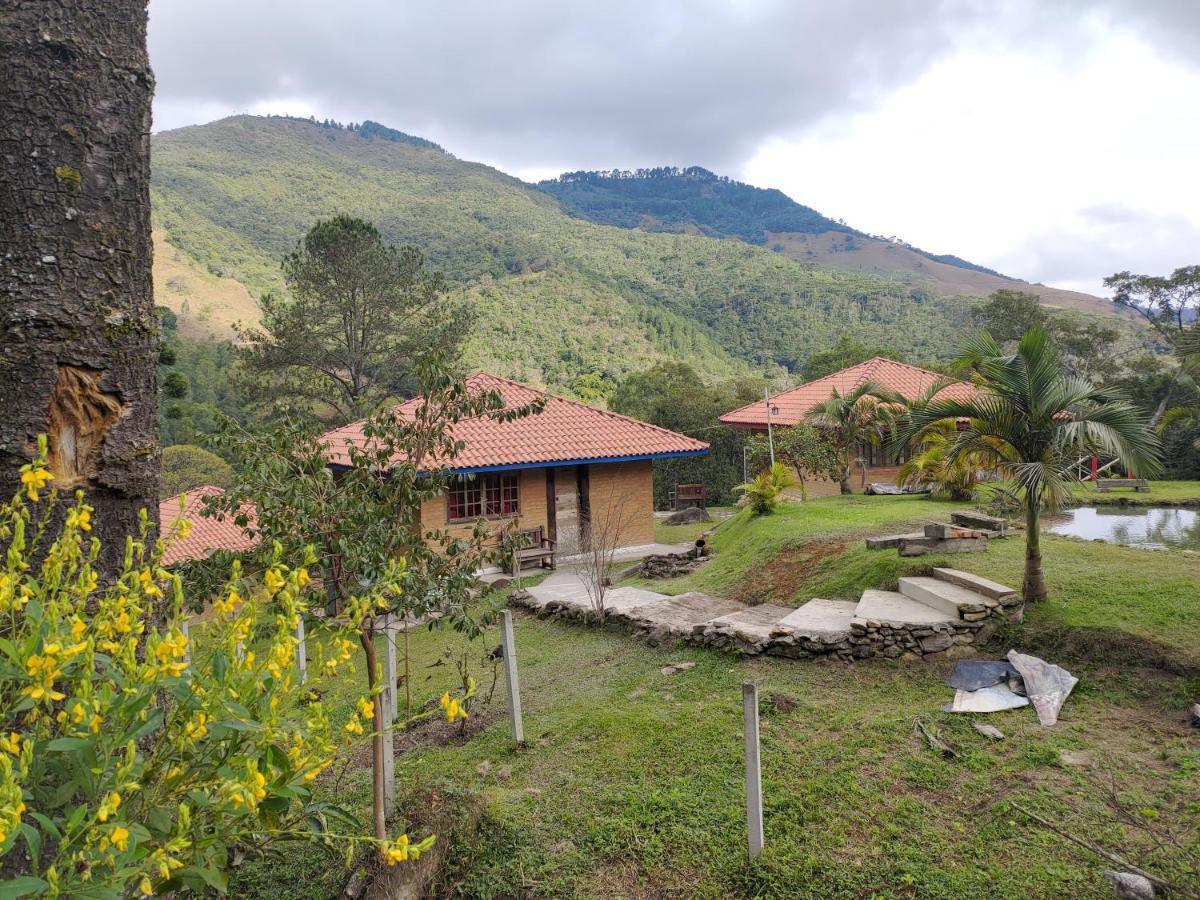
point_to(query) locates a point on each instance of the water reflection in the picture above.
(1157, 527)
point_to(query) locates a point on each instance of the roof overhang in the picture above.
(557, 463)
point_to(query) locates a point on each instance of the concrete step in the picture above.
(894, 608)
(975, 583)
(753, 625)
(951, 599)
(824, 618)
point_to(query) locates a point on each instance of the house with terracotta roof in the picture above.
(206, 534)
(794, 405)
(563, 473)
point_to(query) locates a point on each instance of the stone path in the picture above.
(926, 615)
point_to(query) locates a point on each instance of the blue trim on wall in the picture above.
(555, 463)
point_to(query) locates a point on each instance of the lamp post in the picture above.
(771, 410)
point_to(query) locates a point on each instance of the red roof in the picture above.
(206, 534)
(794, 404)
(564, 431)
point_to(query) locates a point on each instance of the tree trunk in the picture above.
(844, 484)
(78, 330)
(378, 802)
(1034, 588)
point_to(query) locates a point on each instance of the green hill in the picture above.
(560, 296)
(696, 201)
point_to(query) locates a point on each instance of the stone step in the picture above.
(825, 618)
(976, 583)
(949, 598)
(894, 608)
(753, 625)
(891, 541)
(979, 520)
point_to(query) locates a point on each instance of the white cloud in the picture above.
(1016, 159)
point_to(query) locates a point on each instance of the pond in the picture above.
(1152, 527)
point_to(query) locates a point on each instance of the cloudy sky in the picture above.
(1055, 140)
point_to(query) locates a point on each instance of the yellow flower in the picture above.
(354, 726)
(120, 837)
(78, 627)
(258, 785)
(302, 577)
(366, 708)
(34, 480)
(11, 744)
(145, 888)
(80, 518)
(109, 806)
(273, 580)
(149, 586)
(450, 706)
(223, 606)
(397, 851)
(196, 728)
(182, 529)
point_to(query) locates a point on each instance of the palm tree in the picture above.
(948, 474)
(767, 487)
(1041, 419)
(859, 417)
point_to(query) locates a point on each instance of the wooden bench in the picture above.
(536, 547)
(1104, 485)
(688, 493)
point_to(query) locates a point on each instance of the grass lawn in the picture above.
(631, 782)
(678, 534)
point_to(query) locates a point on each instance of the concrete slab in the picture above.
(681, 614)
(894, 607)
(821, 617)
(980, 585)
(755, 624)
(951, 599)
(566, 588)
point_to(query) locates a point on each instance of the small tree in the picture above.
(862, 416)
(186, 466)
(767, 487)
(1038, 420)
(604, 531)
(803, 448)
(357, 316)
(131, 760)
(364, 519)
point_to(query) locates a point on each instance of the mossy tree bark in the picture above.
(79, 341)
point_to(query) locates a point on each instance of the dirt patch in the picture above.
(780, 579)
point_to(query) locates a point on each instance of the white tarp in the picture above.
(988, 699)
(1046, 685)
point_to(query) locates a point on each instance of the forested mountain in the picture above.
(561, 300)
(696, 201)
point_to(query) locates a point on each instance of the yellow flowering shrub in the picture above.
(131, 760)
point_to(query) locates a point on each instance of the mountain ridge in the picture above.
(559, 298)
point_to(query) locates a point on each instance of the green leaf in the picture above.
(33, 838)
(47, 825)
(212, 877)
(67, 745)
(21, 886)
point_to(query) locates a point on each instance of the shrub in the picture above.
(767, 487)
(131, 760)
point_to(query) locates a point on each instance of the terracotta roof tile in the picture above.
(207, 534)
(795, 403)
(565, 431)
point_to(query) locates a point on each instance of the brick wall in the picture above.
(878, 474)
(532, 495)
(622, 501)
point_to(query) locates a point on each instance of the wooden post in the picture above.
(388, 705)
(754, 816)
(510, 676)
(301, 649)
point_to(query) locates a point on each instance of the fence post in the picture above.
(754, 817)
(301, 649)
(387, 703)
(510, 676)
